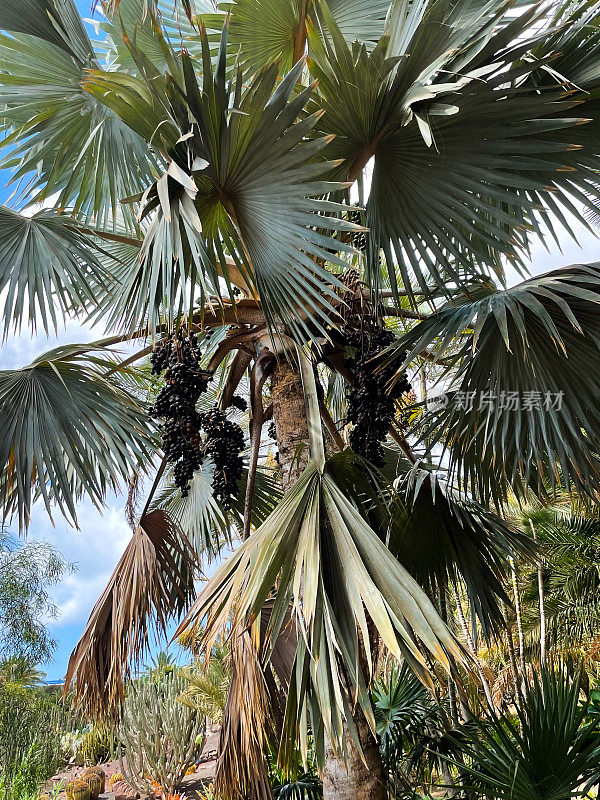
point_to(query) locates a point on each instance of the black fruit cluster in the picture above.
(175, 404)
(371, 405)
(238, 402)
(223, 443)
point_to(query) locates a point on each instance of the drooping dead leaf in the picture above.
(152, 582)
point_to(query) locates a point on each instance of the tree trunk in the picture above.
(289, 416)
(518, 615)
(540, 577)
(356, 779)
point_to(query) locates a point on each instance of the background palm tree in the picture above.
(198, 171)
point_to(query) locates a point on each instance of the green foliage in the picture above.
(27, 572)
(66, 430)
(305, 786)
(31, 723)
(208, 684)
(536, 339)
(571, 575)
(401, 706)
(551, 751)
(298, 781)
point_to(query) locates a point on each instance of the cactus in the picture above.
(96, 771)
(158, 734)
(77, 790)
(115, 778)
(95, 782)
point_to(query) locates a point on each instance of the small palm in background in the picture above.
(208, 683)
(551, 750)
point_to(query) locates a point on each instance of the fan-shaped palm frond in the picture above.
(438, 536)
(65, 430)
(303, 787)
(465, 156)
(46, 266)
(221, 194)
(146, 31)
(60, 139)
(401, 705)
(511, 407)
(264, 31)
(207, 525)
(550, 751)
(316, 539)
(152, 583)
(442, 538)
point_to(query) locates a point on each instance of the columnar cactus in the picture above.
(158, 734)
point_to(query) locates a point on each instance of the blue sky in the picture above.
(96, 547)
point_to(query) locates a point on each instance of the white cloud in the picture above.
(94, 549)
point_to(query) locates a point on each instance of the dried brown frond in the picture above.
(241, 769)
(255, 706)
(151, 583)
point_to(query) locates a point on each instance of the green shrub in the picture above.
(23, 779)
(31, 722)
(551, 751)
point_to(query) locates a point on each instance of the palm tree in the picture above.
(570, 576)
(197, 171)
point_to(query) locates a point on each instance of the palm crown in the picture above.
(267, 175)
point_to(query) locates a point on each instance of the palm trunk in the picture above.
(355, 778)
(518, 615)
(471, 646)
(540, 577)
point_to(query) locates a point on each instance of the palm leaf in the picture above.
(132, 20)
(317, 540)
(58, 137)
(55, 21)
(264, 31)
(153, 579)
(206, 524)
(468, 161)
(46, 265)
(443, 538)
(534, 342)
(552, 754)
(221, 195)
(66, 431)
(402, 707)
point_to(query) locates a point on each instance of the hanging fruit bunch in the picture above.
(224, 442)
(371, 404)
(176, 401)
(184, 447)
